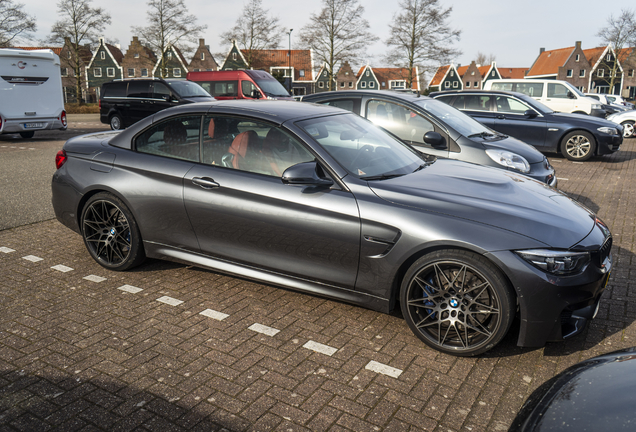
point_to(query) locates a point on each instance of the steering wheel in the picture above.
(363, 152)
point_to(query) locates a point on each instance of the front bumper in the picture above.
(598, 113)
(609, 143)
(544, 172)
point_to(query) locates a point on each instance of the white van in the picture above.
(30, 92)
(560, 96)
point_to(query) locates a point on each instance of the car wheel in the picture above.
(27, 135)
(110, 233)
(457, 302)
(578, 146)
(628, 128)
(116, 122)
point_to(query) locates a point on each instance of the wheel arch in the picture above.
(94, 191)
(578, 129)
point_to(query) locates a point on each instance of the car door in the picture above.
(138, 104)
(557, 98)
(162, 97)
(511, 119)
(242, 212)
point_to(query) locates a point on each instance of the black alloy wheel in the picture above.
(578, 146)
(457, 302)
(116, 122)
(110, 233)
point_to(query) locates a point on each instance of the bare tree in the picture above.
(337, 33)
(15, 24)
(620, 33)
(169, 24)
(483, 59)
(81, 24)
(255, 30)
(420, 36)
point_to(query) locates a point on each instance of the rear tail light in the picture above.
(100, 104)
(60, 159)
(63, 118)
(0, 123)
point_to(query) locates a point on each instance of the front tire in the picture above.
(578, 146)
(110, 233)
(27, 134)
(116, 122)
(628, 128)
(457, 302)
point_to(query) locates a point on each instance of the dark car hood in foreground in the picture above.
(493, 197)
(598, 394)
(531, 154)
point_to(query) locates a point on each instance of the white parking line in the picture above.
(320, 348)
(32, 258)
(383, 369)
(219, 316)
(130, 289)
(260, 328)
(62, 268)
(564, 179)
(169, 301)
(94, 278)
(6, 249)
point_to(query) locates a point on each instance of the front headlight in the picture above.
(597, 106)
(509, 160)
(608, 130)
(562, 263)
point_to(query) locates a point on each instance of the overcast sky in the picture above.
(513, 30)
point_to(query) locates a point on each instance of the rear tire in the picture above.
(27, 135)
(578, 146)
(116, 122)
(628, 128)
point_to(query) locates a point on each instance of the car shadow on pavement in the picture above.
(73, 400)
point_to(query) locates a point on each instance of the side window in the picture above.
(477, 103)
(249, 145)
(139, 89)
(558, 91)
(399, 120)
(510, 105)
(448, 100)
(224, 88)
(352, 105)
(115, 90)
(530, 89)
(160, 91)
(502, 86)
(247, 87)
(176, 138)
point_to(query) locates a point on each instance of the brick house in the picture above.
(299, 78)
(174, 66)
(139, 60)
(203, 60)
(345, 77)
(627, 56)
(472, 75)
(105, 66)
(569, 64)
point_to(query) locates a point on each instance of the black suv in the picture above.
(124, 102)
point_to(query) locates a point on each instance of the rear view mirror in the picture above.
(436, 140)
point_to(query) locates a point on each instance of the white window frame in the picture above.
(321, 84)
(577, 57)
(286, 71)
(169, 55)
(64, 71)
(600, 73)
(363, 84)
(569, 73)
(397, 84)
(97, 72)
(102, 55)
(467, 84)
(133, 72)
(144, 70)
(301, 73)
(455, 84)
(176, 72)
(447, 84)
(202, 55)
(371, 84)
(136, 55)
(608, 57)
(582, 73)
(110, 72)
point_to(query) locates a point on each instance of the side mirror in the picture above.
(530, 113)
(256, 94)
(435, 140)
(305, 173)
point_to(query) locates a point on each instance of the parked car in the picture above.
(577, 137)
(559, 96)
(320, 200)
(608, 103)
(124, 102)
(31, 89)
(626, 120)
(594, 395)
(433, 128)
(240, 84)
(616, 99)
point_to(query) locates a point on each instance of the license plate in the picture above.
(606, 280)
(33, 125)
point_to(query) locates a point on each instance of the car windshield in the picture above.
(361, 148)
(188, 89)
(272, 88)
(453, 117)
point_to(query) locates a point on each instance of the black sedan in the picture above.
(432, 128)
(320, 200)
(578, 137)
(594, 395)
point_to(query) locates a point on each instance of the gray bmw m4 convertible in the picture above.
(318, 199)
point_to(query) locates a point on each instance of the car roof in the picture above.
(384, 94)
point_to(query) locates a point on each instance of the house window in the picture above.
(577, 57)
(631, 73)
(97, 72)
(452, 73)
(582, 73)
(454, 84)
(493, 73)
(144, 72)
(196, 69)
(131, 72)
(601, 73)
(467, 84)
(301, 72)
(176, 72)
(363, 84)
(233, 56)
(350, 84)
(169, 55)
(398, 84)
(608, 57)
(569, 73)
(68, 54)
(102, 55)
(166, 72)
(447, 84)
(476, 84)
(64, 72)
(285, 71)
(366, 73)
(371, 84)
(342, 84)
(136, 55)
(202, 56)
(110, 72)
(472, 73)
(321, 84)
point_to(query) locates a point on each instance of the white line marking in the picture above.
(94, 278)
(130, 289)
(6, 249)
(260, 328)
(169, 301)
(219, 316)
(62, 268)
(32, 258)
(560, 178)
(578, 162)
(320, 348)
(383, 369)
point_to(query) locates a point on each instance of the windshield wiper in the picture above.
(381, 177)
(424, 165)
(482, 135)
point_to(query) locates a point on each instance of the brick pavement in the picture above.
(88, 349)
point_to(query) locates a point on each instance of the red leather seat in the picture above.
(244, 150)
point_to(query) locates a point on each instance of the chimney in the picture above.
(201, 42)
(541, 50)
(577, 44)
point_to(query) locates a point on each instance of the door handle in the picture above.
(205, 182)
(501, 117)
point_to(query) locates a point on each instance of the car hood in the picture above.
(531, 154)
(579, 119)
(493, 197)
(621, 117)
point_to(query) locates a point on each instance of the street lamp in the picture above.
(289, 59)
